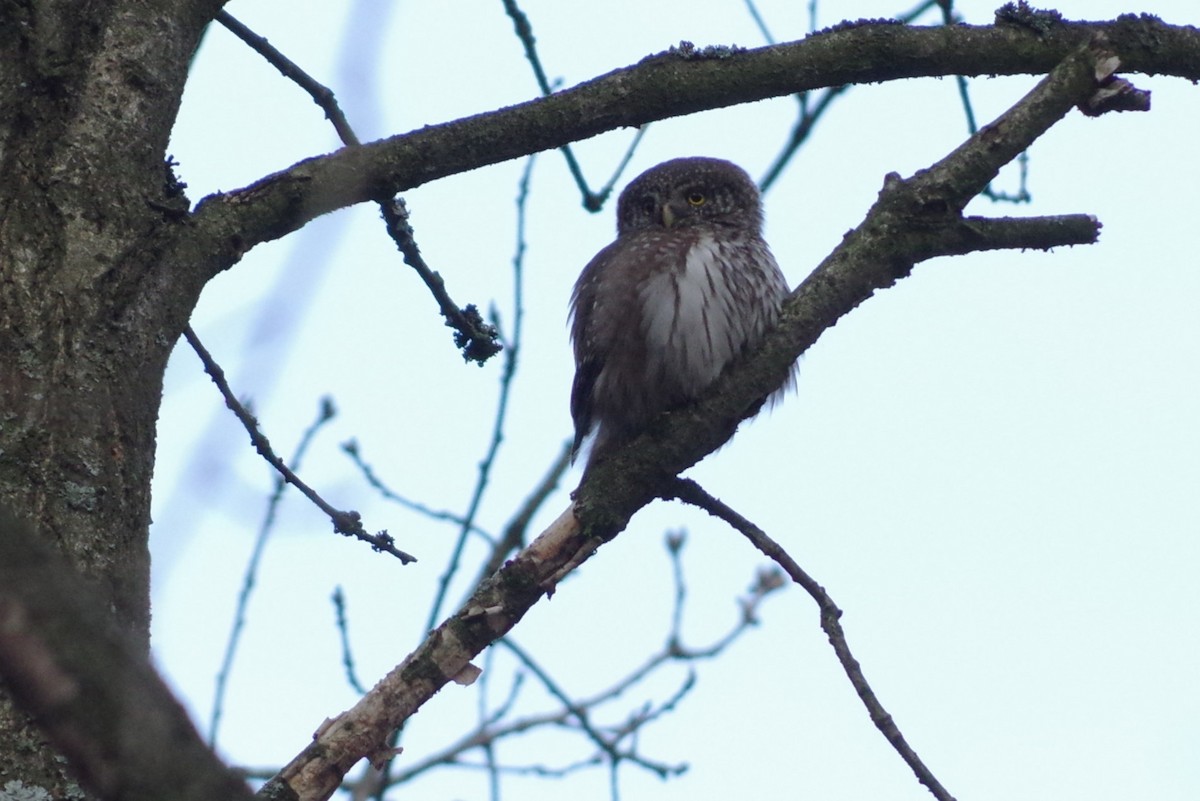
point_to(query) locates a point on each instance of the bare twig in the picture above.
(491, 764)
(810, 114)
(352, 449)
(346, 523)
(478, 340)
(467, 524)
(524, 33)
(513, 538)
(322, 95)
(511, 355)
(343, 627)
(580, 713)
(592, 201)
(689, 491)
(324, 415)
(474, 337)
(759, 21)
(675, 540)
(494, 727)
(811, 110)
(596, 202)
(964, 94)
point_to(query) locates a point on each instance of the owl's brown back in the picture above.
(688, 286)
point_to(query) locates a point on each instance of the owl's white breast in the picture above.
(690, 319)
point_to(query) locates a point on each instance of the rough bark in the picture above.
(89, 92)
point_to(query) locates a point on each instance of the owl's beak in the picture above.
(668, 215)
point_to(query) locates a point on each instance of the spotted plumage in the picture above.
(687, 287)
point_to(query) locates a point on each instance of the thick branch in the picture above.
(681, 81)
(89, 685)
(913, 220)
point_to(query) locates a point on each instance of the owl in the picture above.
(687, 288)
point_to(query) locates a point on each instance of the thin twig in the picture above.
(351, 449)
(759, 22)
(345, 523)
(343, 627)
(671, 652)
(524, 32)
(964, 95)
(477, 339)
(596, 201)
(580, 713)
(916, 11)
(592, 201)
(322, 95)
(513, 538)
(250, 578)
(474, 337)
(810, 114)
(675, 541)
(811, 111)
(512, 353)
(481, 709)
(689, 491)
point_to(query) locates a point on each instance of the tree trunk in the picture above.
(89, 92)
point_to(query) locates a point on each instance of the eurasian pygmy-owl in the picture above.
(688, 286)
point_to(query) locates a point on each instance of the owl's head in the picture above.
(686, 192)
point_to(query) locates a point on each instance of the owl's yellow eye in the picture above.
(696, 199)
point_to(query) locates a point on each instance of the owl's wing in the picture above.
(591, 337)
(581, 400)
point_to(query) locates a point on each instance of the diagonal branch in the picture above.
(913, 220)
(348, 524)
(322, 95)
(250, 575)
(689, 491)
(476, 339)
